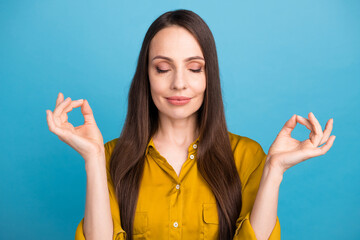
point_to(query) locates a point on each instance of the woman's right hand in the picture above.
(85, 139)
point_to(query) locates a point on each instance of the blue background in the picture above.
(277, 58)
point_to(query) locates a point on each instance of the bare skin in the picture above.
(177, 130)
(178, 126)
(284, 153)
(88, 142)
(170, 50)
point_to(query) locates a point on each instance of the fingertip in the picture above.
(84, 103)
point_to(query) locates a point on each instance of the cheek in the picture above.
(199, 86)
(157, 88)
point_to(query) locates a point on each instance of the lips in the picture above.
(178, 98)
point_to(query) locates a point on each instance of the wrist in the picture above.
(95, 161)
(273, 169)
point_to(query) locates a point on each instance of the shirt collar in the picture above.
(192, 147)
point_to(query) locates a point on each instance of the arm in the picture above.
(285, 152)
(109, 195)
(87, 140)
(257, 185)
(97, 220)
(264, 213)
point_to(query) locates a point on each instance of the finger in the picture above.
(318, 133)
(327, 131)
(60, 98)
(323, 149)
(87, 112)
(70, 107)
(315, 122)
(61, 107)
(73, 104)
(51, 124)
(304, 122)
(288, 126)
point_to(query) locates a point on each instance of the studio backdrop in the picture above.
(277, 58)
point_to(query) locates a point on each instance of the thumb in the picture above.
(87, 112)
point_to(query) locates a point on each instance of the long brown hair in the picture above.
(215, 159)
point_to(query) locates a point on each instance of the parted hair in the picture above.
(215, 160)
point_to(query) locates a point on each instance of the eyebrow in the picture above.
(170, 60)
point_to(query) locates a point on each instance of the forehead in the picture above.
(174, 42)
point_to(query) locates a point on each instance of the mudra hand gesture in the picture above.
(85, 139)
(286, 151)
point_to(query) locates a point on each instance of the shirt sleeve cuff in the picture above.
(118, 234)
(244, 229)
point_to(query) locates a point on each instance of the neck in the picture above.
(178, 132)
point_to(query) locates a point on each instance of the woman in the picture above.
(175, 172)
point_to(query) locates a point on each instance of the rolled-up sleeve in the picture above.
(118, 232)
(244, 229)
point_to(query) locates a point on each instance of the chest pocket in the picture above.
(210, 221)
(140, 225)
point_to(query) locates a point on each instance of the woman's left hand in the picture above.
(286, 151)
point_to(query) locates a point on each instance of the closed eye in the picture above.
(161, 71)
(196, 70)
(164, 71)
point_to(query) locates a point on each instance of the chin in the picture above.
(180, 114)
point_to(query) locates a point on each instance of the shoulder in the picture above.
(110, 145)
(243, 143)
(248, 155)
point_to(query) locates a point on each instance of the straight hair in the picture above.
(215, 160)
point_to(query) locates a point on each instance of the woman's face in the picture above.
(176, 68)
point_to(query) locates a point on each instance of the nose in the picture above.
(179, 80)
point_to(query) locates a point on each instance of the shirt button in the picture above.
(195, 146)
(177, 186)
(191, 156)
(176, 224)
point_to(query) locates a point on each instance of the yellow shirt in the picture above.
(184, 207)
